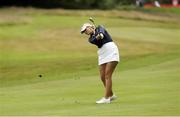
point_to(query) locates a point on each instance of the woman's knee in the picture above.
(103, 78)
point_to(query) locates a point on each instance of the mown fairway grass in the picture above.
(34, 42)
(164, 10)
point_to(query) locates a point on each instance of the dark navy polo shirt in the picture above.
(99, 43)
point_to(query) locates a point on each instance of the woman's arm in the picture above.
(101, 32)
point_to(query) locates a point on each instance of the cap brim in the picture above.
(82, 31)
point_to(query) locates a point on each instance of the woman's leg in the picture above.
(110, 67)
(102, 73)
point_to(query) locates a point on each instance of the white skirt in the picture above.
(107, 53)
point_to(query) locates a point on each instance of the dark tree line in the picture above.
(71, 4)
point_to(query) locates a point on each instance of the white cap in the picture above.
(85, 25)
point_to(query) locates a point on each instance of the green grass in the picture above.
(172, 10)
(48, 42)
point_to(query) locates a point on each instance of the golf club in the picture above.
(91, 19)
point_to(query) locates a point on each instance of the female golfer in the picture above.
(108, 57)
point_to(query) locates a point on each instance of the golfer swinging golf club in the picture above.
(108, 57)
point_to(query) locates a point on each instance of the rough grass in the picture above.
(48, 42)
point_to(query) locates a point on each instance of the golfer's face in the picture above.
(88, 31)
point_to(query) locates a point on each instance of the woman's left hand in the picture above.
(99, 36)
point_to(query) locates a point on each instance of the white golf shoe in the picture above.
(103, 101)
(113, 97)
